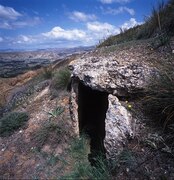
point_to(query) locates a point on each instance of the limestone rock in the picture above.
(118, 126)
(117, 72)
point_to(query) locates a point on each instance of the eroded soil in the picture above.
(24, 155)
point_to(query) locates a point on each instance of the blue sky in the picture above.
(36, 24)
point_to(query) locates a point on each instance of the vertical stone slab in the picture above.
(74, 106)
(118, 127)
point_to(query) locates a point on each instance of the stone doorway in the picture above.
(92, 108)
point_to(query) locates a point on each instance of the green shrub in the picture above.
(61, 78)
(12, 122)
(56, 112)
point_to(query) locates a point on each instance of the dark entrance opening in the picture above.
(92, 107)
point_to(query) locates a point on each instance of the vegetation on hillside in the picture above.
(159, 101)
(159, 24)
(82, 168)
(61, 78)
(12, 122)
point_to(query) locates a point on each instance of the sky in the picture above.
(41, 24)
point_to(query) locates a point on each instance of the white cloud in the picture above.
(80, 16)
(26, 22)
(113, 1)
(11, 19)
(23, 39)
(5, 25)
(119, 10)
(8, 13)
(99, 27)
(93, 33)
(60, 33)
(131, 23)
(13, 24)
(1, 39)
(60, 37)
(98, 30)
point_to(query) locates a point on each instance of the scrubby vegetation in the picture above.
(50, 129)
(159, 101)
(159, 24)
(12, 122)
(61, 78)
(160, 21)
(83, 170)
(124, 36)
(44, 133)
(47, 72)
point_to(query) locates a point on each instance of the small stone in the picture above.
(46, 149)
(58, 151)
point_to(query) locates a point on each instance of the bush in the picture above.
(61, 79)
(12, 122)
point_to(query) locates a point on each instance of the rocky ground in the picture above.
(23, 155)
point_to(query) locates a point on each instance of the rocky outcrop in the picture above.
(121, 71)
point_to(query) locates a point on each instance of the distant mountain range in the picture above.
(80, 48)
(15, 62)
